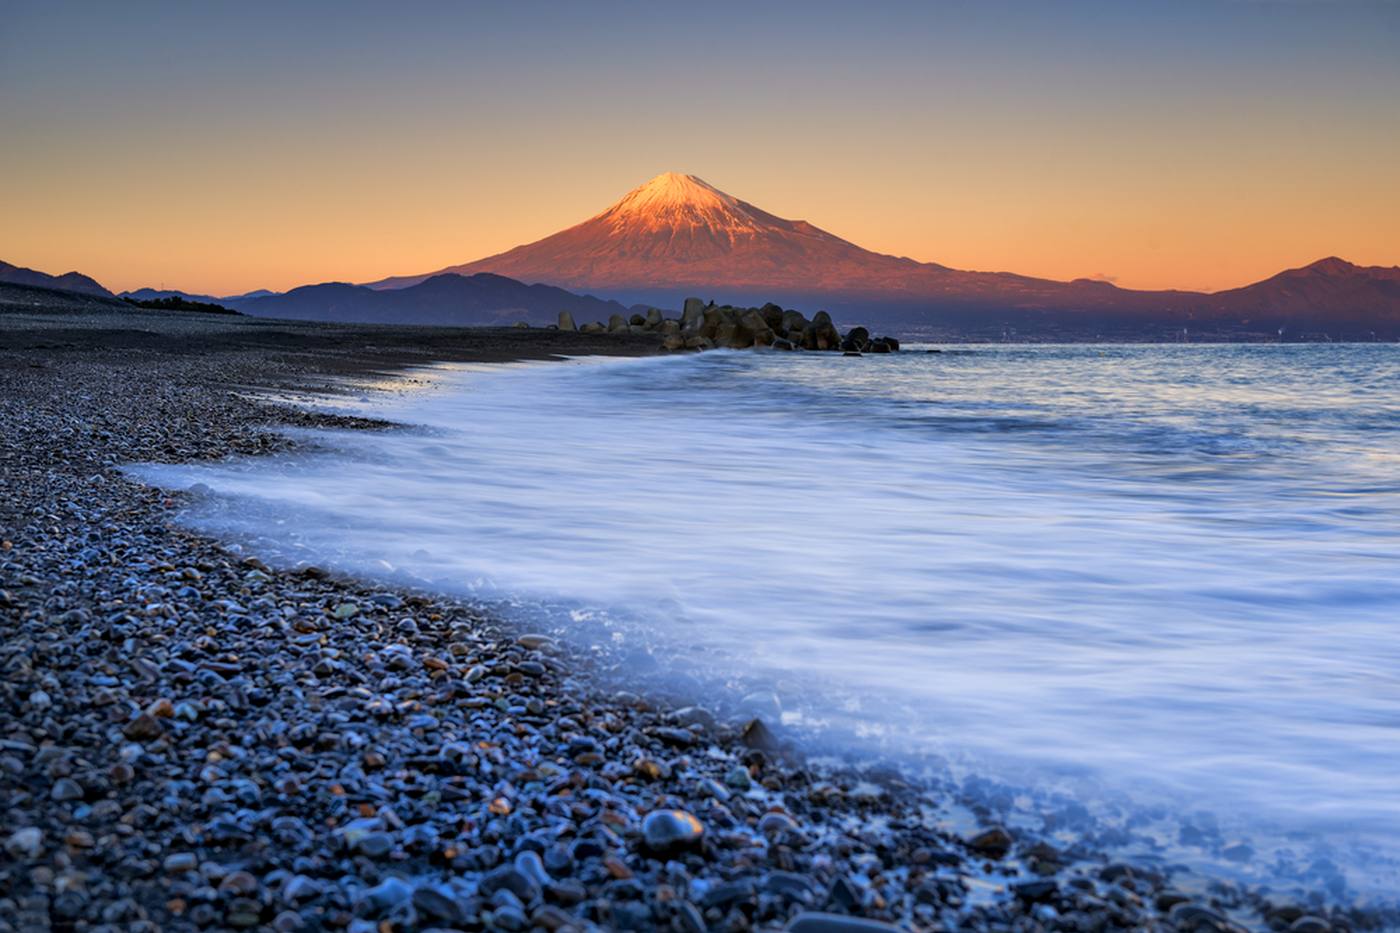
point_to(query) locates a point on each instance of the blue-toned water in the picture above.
(1170, 572)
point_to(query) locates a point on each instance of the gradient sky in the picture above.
(221, 147)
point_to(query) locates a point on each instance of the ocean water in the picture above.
(1166, 575)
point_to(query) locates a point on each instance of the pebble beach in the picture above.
(193, 739)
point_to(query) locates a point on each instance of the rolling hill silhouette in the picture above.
(447, 299)
(68, 281)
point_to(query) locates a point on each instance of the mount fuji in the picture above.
(679, 232)
(678, 235)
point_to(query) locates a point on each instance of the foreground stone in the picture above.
(669, 831)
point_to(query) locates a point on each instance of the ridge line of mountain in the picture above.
(678, 235)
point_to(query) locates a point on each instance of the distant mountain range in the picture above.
(154, 294)
(678, 235)
(447, 299)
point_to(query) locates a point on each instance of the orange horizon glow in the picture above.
(1155, 145)
(236, 254)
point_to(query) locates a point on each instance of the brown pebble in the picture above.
(617, 868)
(993, 843)
(143, 728)
(757, 735)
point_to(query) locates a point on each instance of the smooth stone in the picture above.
(709, 787)
(25, 843)
(529, 864)
(511, 917)
(238, 883)
(287, 921)
(509, 878)
(180, 862)
(993, 843)
(670, 830)
(728, 892)
(776, 824)
(680, 738)
(66, 789)
(788, 883)
(1195, 917)
(551, 918)
(583, 745)
(143, 728)
(438, 901)
(695, 716)
(386, 894)
(376, 844)
(300, 888)
(816, 922)
(651, 769)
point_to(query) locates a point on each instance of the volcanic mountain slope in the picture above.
(677, 231)
(678, 235)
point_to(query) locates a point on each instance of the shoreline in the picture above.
(202, 741)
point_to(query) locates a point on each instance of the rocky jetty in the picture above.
(191, 739)
(710, 326)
